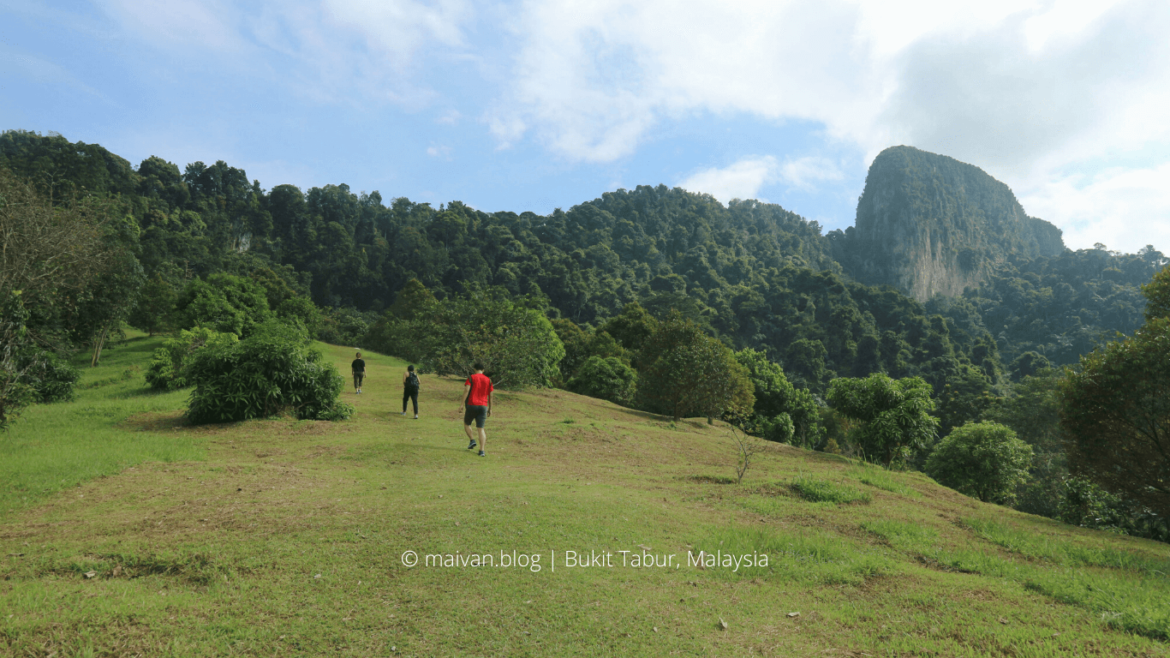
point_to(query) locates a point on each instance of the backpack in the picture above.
(412, 381)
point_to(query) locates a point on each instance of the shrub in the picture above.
(271, 372)
(51, 378)
(167, 371)
(606, 378)
(984, 460)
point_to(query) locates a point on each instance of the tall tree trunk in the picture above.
(98, 345)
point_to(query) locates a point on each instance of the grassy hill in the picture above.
(125, 532)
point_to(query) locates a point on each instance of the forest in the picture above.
(756, 289)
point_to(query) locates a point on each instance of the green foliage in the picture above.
(224, 303)
(155, 306)
(50, 377)
(984, 460)
(1084, 503)
(632, 327)
(345, 326)
(1115, 411)
(302, 311)
(516, 344)
(607, 378)
(782, 412)
(272, 371)
(168, 367)
(894, 414)
(823, 491)
(1028, 364)
(689, 373)
(1032, 411)
(15, 392)
(1157, 294)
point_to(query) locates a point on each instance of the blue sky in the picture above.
(547, 103)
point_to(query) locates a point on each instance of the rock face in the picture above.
(928, 225)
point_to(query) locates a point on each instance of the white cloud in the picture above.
(399, 28)
(332, 51)
(744, 179)
(805, 173)
(1124, 208)
(1029, 90)
(741, 180)
(208, 25)
(439, 152)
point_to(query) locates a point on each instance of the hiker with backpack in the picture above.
(410, 386)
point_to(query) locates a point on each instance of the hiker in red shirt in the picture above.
(477, 406)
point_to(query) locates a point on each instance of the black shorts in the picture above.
(475, 413)
(357, 379)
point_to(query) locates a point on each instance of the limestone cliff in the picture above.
(928, 224)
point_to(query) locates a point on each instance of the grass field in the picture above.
(124, 531)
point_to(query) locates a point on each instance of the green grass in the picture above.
(823, 491)
(876, 476)
(134, 534)
(52, 448)
(901, 535)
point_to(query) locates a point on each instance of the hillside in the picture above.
(930, 225)
(280, 537)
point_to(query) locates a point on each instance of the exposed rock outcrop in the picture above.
(928, 224)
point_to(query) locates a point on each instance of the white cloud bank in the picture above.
(1035, 92)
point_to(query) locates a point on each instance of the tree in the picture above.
(15, 392)
(984, 460)
(155, 306)
(1032, 411)
(1157, 294)
(517, 345)
(689, 373)
(224, 303)
(1115, 413)
(782, 412)
(894, 414)
(48, 250)
(632, 327)
(608, 378)
(73, 262)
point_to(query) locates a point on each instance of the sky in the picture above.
(543, 104)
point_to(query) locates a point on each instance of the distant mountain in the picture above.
(928, 224)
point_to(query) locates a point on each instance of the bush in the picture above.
(984, 460)
(167, 371)
(51, 378)
(606, 378)
(273, 371)
(1088, 505)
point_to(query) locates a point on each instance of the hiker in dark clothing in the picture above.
(359, 373)
(410, 385)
